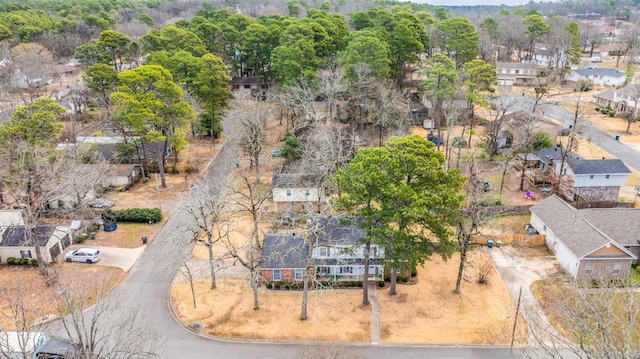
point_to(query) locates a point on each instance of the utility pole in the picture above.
(515, 320)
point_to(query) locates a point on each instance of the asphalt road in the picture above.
(147, 287)
(598, 137)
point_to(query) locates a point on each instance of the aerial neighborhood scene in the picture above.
(319, 179)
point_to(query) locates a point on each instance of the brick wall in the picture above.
(603, 269)
(597, 193)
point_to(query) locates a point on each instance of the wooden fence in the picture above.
(533, 240)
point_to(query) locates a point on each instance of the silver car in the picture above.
(85, 255)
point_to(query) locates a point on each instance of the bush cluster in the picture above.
(22, 262)
(136, 215)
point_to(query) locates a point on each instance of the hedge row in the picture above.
(136, 215)
(21, 261)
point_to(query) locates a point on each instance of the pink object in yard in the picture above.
(528, 195)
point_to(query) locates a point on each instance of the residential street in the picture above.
(598, 137)
(148, 285)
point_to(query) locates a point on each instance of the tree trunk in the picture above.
(439, 123)
(524, 167)
(212, 265)
(213, 119)
(504, 174)
(305, 293)
(254, 287)
(160, 159)
(394, 280)
(365, 279)
(463, 262)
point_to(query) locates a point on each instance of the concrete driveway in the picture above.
(123, 258)
(518, 271)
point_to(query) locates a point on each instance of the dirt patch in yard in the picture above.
(25, 284)
(228, 312)
(430, 312)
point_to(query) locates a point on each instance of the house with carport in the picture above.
(17, 242)
(592, 243)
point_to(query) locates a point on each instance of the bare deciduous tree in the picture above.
(211, 227)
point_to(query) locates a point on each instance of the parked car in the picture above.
(276, 153)
(434, 138)
(596, 58)
(85, 255)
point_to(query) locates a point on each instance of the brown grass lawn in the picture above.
(429, 312)
(228, 312)
(77, 278)
(128, 235)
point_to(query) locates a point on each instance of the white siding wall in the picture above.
(298, 195)
(568, 260)
(348, 252)
(599, 180)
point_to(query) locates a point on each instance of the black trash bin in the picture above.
(144, 239)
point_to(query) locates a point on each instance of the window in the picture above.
(346, 270)
(607, 176)
(292, 203)
(247, 86)
(25, 254)
(288, 192)
(324, 270)
(298, 274)
(307, 192)
(323, 251)
(588, 269)
(591, 177)
(276, 274)
(616, 268)
(517, 71)
(544, 228)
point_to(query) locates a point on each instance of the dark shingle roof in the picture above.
(601, 71)
(332, 230)
(607, 95)
(516, 65)
(554, 152)
(15, 236)
(283, 251)
(571, 226)
(610, 166)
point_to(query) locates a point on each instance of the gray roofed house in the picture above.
(599, 76)
(284, 250)
(625, 99)
(582, 179)
(16, 243)
(607, 166)
(581, 244)
(336, 252)
(516, 73)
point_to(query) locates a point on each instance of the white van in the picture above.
(596, 58)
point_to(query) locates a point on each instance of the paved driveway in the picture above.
(518, 272)
(123, 258)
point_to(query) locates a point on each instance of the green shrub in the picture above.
(33, 262)
(612, 113)
(136, 215)
(11, 260)
(414, 271)
(381, 283)
(276, 285)
(597, 108)
(24, 261)
(268, 285)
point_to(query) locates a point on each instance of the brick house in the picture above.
(335, 253)
(592, 243)
(622, 100)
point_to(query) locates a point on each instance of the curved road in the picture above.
(598, 137)
(148, 284)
